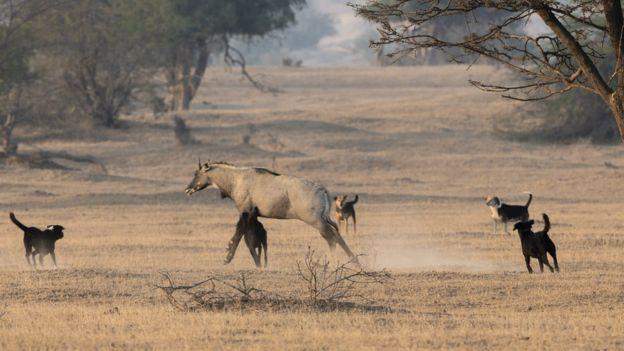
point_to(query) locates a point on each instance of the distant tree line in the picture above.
(94, 59)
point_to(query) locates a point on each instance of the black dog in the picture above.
(536, 245)
(255, 236)
(504, 213)
(37, 241)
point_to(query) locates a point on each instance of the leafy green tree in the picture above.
(16, 49)
(105, 50)
(202, 28)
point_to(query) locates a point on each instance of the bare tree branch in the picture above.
(234, 57)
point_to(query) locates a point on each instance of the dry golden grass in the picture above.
(415, 143)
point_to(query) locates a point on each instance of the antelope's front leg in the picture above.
(235, 240)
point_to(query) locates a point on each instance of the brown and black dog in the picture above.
(39, 242)
(255, 236)
(345, 210)
(537, 245)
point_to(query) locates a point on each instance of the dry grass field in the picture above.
(415, 143)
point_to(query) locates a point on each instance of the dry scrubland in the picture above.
(415, 143)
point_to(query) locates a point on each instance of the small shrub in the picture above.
(289, 62)
(566, 118)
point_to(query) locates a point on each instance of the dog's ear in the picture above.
(335, 198)
(531, 222)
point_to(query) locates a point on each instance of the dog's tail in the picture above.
(355, 200)
(529, 202)
(17, 223)
(546, 223)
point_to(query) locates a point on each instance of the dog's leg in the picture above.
(506, 231)
(254, 254)
(346, 220)
(541, 264)
(33, 255)
(545, 259)
(527, 260)
(554, 256)
(495, 226)
(354, 225)
(260, 254)
(28, 257)
(53, 259)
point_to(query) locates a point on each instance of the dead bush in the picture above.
(215, 293)
(327, 284)
(325, 287)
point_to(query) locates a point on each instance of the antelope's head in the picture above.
(201, 180)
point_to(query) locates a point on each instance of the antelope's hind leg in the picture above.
(238, 235)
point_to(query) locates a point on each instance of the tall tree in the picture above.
(106, 51)
(16, 48)
(204, 28)
(564, 57)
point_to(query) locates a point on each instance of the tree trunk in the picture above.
(615, 24)
(617, 108)
(186, 74)
(613, 97)
(7, 132)
(186, 89)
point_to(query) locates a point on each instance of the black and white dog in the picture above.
(504, 213)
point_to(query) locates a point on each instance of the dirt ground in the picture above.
(414, 143)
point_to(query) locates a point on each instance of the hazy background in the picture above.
(326, 33)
